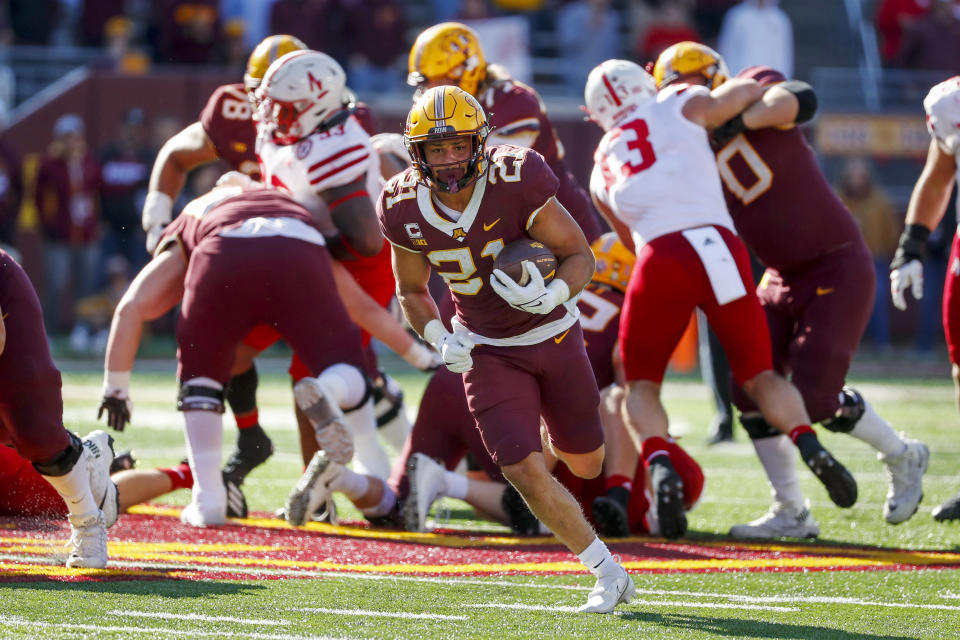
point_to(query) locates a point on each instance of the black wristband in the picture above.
(912, 245)
(726, 132)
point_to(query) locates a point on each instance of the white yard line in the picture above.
(649, 603)
(381, 614)
(151, 631)
(195, 616)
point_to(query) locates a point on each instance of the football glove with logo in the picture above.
(535, 296)
(453, 348)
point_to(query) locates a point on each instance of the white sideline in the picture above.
(196, 616)
(381, 614)
(648, 603)
(151, 631)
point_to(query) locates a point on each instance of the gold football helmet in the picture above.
(685, 58)
(448, 52)
(269, 49)
(446, 113)
(614, 261)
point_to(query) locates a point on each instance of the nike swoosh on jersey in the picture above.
(487, 227)
(560, 338)
(822, 291)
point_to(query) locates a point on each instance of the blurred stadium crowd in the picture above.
(72, 207)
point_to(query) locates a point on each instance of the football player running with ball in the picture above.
(655, 178)
(520, 348)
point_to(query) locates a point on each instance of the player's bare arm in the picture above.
(723, 103)
(928, 202)
(155, 291)
(621, 229)
(412, 272)
(354, 216)
(185, 151)
(554, 227)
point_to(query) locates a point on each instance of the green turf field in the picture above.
(882, 603)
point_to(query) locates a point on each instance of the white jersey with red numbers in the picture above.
(656, 170)
(320, 162)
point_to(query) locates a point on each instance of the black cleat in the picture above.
(949, 510)
(611, 517)
(721, 430)
(236, 502)
(840, 484)
(253, 449)
(668, 492)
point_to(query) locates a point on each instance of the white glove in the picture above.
(534, 297)
(157, 213)
(391, 143)
(453, 348)
(910, 275)
(423, 357)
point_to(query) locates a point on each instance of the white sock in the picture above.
(74, 488)
(345, 383)
(779, 459)
(878, 433)
(596, 557)
(351, 484)
(369, 456)
(204, 435)
(387, 501)
(455, 485)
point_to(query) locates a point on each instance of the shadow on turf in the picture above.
(174, 589)
(739, 627)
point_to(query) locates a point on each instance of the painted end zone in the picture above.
(151, 543)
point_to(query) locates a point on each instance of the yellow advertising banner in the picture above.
(869, 134)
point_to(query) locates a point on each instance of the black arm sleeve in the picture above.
(806, 99)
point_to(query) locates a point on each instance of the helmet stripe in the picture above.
(274, 50)
(613, 93)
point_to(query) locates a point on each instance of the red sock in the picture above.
(653, 447)
(248, 420)
(798, 431)
(180, 476)
(619, 480)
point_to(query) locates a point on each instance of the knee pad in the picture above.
(851, 410)
(65, 460)
(367, 394)
(757, 427)
(522, 520)
(195, 397)
(241, 391)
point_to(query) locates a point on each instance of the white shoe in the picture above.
(88, 541)
(426, 485)
(609, 591)
(98, 451)
(202, 516)
(905, 477)
(783, 520)
(312, 490)
(332, 433)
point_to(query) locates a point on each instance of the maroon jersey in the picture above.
(225, 209)
(517, 183)
(779, 200)
(600, 318)
(227, 120)
(518, 117)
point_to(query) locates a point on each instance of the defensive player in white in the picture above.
(310, 144)
(928, 204)
(656, 181)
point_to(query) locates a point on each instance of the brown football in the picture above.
(511, 257)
